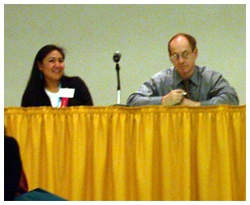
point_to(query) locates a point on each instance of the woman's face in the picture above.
(52, 66)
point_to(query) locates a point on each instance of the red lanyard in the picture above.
(64, 102)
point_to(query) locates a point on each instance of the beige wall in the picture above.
(92, 33)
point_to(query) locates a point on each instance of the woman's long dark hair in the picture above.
(36, 78)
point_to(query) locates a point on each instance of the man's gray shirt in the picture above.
(207, 86)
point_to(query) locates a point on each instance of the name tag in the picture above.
(66, 92)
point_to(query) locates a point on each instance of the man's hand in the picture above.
(189, 102)
(172, 98)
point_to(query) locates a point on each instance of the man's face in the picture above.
(182, 56)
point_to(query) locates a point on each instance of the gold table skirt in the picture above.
(133, 153)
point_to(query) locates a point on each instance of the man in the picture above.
(185, 83)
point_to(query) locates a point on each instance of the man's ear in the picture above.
(196, 52)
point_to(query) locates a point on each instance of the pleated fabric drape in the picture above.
(133, 153)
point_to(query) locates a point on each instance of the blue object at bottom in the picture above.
(38, 195)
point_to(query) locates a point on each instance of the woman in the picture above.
(47, 78)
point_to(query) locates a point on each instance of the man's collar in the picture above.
(195, 77)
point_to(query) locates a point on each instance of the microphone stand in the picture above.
(117, 67)
(116, 58)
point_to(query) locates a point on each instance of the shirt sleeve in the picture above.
(146, 95)
(221, 92)
(85, 95)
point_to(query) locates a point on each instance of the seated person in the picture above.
(15, 183)
(12, 168)
(185, 83)
(47, 77)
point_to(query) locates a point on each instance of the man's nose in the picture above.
(180, 59)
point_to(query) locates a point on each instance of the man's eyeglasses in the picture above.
(184, 55)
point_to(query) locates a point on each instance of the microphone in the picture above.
(117, 56)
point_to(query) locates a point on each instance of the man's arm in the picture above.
(221, 92)
(189, 102)
(144, 96)
(172, 98)
(156, 91)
